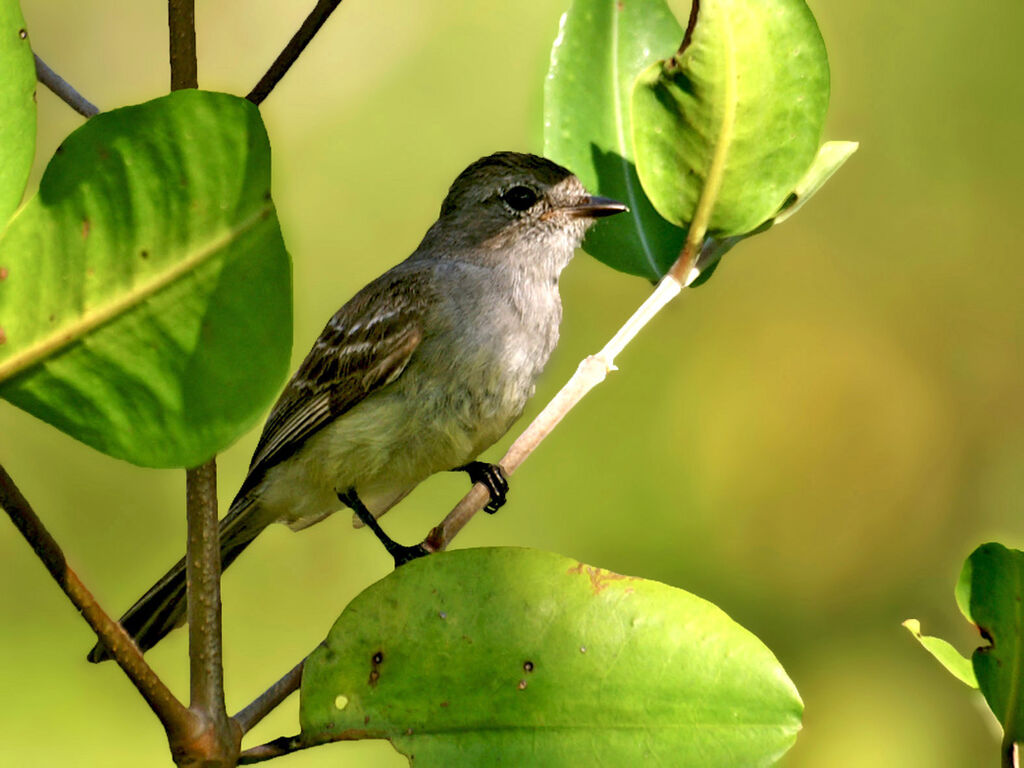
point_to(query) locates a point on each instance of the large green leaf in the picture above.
(601, 47)
(732, 121)
(146, 308)
(991, 594)
(516, 657)
(17, 108)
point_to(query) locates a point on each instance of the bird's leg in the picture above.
(399, 552)
(492, 477)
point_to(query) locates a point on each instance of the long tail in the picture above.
(162, 608)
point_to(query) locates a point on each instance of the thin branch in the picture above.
(63, 90)
(267, 701)
(202, 568)
(293, 50)
(286, 745)
(589, 374)
(172, 714)
(181, 23)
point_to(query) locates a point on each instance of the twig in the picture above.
(589, 374)
(285, 745)
(293, 50)
(181, 23)
(63, 90)
(172, 714)
(202, 566)
(267, 701)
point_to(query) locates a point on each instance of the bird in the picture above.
(419, 372)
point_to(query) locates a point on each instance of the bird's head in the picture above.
(522, 203)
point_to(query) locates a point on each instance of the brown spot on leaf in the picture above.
(3, 336)
(522, 685)
(444, 703)
(528, 666)
(375, 662)
(4, 273)
(144, 254)
(599, 577)
(86, 226)
(22, 33)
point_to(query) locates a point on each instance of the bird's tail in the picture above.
(162, 608)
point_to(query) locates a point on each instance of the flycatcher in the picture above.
(421, 371)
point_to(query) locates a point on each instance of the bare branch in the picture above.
(285, 745)
(202, 568)
(175, 718)
(63, 90)
(293, 50)
(181, 23)
(267, 701)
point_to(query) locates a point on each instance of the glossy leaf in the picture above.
(17, 108)
(732, 122)
(943, 652)
(146, 308)
(516, 657)
(991, 593)
(601, 47)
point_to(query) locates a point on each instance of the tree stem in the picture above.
(181, 22)
(293, 50)
(175, 718)
(63, 90)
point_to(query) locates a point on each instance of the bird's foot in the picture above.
(400, 553)
(492, 477)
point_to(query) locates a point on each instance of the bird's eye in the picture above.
(520, 198)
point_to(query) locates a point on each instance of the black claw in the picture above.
(399, 552)
(492, 476)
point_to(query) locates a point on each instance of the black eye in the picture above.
(520, 198)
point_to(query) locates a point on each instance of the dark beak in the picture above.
(596, 207)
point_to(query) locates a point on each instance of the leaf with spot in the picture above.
(146, 305)
(17, 108)
(725, 129)
(601, 47)
(509, 656)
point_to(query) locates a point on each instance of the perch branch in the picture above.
(293, 50)
(589, 374)
(63, 90)
(172, 714)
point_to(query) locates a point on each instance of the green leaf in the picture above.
(17, 108)
(948, 656)
(601, 47)
(991, 588)
(831, 156)
(515, 657)
(728, 126)
(146, 308)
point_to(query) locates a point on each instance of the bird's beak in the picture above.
(595, 208)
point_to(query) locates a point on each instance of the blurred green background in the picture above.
(814, 440)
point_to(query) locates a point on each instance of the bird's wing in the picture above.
(365, 346)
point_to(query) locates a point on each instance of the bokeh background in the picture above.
(814, 440)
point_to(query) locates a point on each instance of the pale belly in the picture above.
(383, 448)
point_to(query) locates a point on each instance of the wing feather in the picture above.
(364, 347)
